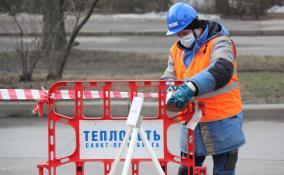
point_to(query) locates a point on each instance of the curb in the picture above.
(252, 112)
(263, 112)
(155, 33)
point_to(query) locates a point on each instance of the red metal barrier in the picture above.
(134, 88)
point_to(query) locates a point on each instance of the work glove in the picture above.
(178, 101)
(171, 86)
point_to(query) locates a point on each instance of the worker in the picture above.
(204, 58)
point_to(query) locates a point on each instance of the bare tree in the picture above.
(77, 27)
(27, 48)
(29, 54)
(54, 36)
(55, 45)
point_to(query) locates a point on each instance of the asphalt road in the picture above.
(246, 45)
(24, 144)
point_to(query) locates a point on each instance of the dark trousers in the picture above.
(224, 164)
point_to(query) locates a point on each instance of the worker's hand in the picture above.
(178, 101)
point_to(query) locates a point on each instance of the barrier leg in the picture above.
(135, 168)
(122, 148)
(40, 170)
(134, 136)
(79, 168)
(107, 167)
(164, 167)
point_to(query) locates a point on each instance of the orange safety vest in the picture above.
(216, 105)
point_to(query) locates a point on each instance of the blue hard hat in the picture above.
(179, 16)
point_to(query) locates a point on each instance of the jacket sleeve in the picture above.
(170, 72)
(220, 69)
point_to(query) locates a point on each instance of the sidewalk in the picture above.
(142, 24)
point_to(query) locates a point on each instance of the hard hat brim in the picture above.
(170, 33)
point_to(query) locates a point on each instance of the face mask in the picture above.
(187, 40)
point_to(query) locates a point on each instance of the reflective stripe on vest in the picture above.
(222, 90)
(216, 105)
